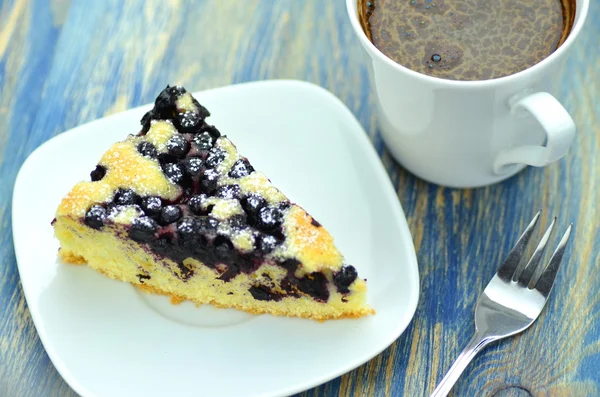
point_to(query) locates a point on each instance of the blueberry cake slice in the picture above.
(176, 210)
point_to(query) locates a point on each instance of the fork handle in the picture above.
(477, 342)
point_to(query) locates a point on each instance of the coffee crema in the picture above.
(467, 39)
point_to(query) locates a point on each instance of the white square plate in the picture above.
(107, 339)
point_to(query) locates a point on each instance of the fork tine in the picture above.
(510, 264)
(524, 277)
(544, 284)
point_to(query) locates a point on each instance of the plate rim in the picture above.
(378, 170)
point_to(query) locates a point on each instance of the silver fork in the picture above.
(512, 300)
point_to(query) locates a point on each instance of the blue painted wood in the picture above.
(29, 31)
(64, 63)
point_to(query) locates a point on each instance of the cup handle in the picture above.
(556, 122)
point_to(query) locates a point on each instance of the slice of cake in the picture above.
(176, 210)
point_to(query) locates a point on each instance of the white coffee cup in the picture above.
(471, 133)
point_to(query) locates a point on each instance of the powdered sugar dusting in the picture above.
(224, 209)
(311, 245)
(243, 240)
(231, 155)
(186, 103)
(126, 169)
(159, 134)
(258, 183)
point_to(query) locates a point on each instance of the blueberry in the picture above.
(315, 285)
(260, 294)
(284, 205)
(147, 119)
(98, 173)
(237, 221)
(202, 111)
(211, 130)
(178, 146)
(186, 272)
(189, 122)
(177, 90)
(204, 141)
(170, 214)
(207, 224)
(241, 168)
(113, 209)
(147, 149)
(196, 203)
(344, 278)
(269, 218)
(164, 106)
(143, 229)
(151, 205)
(215, 157)
(252, 204)
(267, 243)
(164, 158)
(95, 217)
(125, 197)
(163, 245)
(229, 192)
(290, 264)
(193, 166)
(175, 172)
(223, 247)
(209, 179)
(188, 231)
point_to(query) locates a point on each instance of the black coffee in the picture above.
(467, 39)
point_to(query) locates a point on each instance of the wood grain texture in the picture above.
(65, 63)
(29, 31)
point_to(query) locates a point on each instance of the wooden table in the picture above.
(63, 63)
